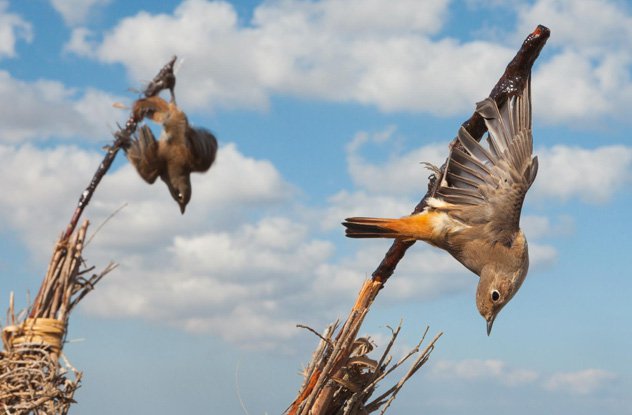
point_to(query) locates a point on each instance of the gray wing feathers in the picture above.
(203, 145)
(488, 186)
(143, 155)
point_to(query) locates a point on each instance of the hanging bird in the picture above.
(179, 151)
(475, 212)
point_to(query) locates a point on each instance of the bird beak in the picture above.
(182, 208)
(490, 323)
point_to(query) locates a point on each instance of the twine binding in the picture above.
(47, 332)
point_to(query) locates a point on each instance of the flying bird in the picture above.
(474, 214)
(180, 150)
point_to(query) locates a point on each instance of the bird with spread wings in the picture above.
(474, 214)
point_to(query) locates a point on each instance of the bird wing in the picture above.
(487, 186)
(203, 146)
(143, 154)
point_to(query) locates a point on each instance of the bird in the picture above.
(180, 150)
(474, 213)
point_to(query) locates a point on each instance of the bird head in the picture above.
(180, 189)
(497, 286)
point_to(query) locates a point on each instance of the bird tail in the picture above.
(408, 227)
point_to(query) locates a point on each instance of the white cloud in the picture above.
(80, 42)
(542, 226)
(42, 109)
(271, 248)
(387, 189)
(425, 273)
(593, 175)
(240, 284)
(582, 382)
(475, 369)
(594, 26)
(541, 255)
(588, 78)
(12, 28)
(579, 88)
(243, 262)
(400, 174)
(345, 204)
(229, 266)
(376, 53)
(238, 264)
(42, 184)
(76, 11)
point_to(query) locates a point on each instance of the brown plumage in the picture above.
(180, 150)
(475, 212)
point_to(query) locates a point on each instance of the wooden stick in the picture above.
(165, 79)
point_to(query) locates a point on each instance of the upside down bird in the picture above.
(474, 213)
(179, 151)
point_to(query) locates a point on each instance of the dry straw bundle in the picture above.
(350, 388)
(31, 378)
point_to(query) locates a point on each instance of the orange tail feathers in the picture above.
(409, 227)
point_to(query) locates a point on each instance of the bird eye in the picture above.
(495, 295)
(180, 196)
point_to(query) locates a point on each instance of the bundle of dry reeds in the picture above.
(32, 380)
(349, 389)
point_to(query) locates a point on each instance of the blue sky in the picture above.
(323, 110)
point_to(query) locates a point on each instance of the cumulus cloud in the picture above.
(589, 75)
(76, 11)
(400, 174)
(542, 226)
(383, 189)
(475, 369)
(12, 28)
(537, 228)
(241, 263)
(375, 53)
(345, 204)
(541, 255)
(239, 284)
(391, 56)
(592, 175)
(425, 273)
(43, 109)
(610, 23)
(582, 382)
(210, 270)
(42, 184)
(80, 42)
